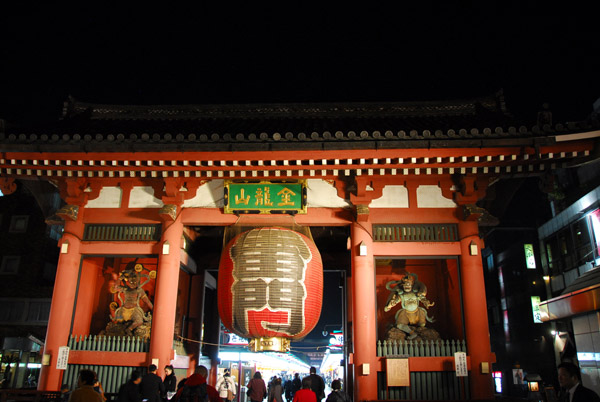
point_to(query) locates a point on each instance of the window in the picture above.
(24, 311)
(38, 311)
(18, 224)
(11, 311)
(490, 262)
(583, 242)
(10, 264)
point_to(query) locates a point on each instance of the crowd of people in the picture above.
(150, 387)
(308, 389)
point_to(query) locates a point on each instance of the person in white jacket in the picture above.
(226, 387)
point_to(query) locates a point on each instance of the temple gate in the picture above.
(404, 178)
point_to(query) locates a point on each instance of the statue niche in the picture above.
(411, 319)
(127, 317)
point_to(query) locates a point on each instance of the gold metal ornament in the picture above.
(272, 344)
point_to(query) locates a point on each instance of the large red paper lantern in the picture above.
(270, 287)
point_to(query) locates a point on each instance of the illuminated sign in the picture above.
(265, 197)
(497, 375)
(529, 256)
(234, 339)
(595, 218)
(337, 339)
(535, 307)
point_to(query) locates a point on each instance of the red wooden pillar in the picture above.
(475, 308)
(364, 321)
(63, 300)
(165, 301)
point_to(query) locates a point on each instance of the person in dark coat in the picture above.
(296, 384)
(195, 388)
(337, 395)
(257, 387)
(130, 391)
(287, 390)
(569, 378)
(170, 382)
(65, 392)
(317, 384)
(152, 386)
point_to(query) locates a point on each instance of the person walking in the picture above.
(195, 388)
(257, 388)
(170, 382)
(99, 388)
(336, 394)
(226, 387)
(151, 386)
(65, 393)
(305, 394)
(296, 384)
(130, 391)
(317, 384)
(569, 378)
(85, 392)
(287, 390)
(276, 391)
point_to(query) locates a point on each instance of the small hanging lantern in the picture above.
(270, 287)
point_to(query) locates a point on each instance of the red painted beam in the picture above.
(442, 363)
(119, 248)
(127, 359)
(415, 248)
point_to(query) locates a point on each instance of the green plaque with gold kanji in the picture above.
(265, 197)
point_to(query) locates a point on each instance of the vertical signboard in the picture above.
(460, 364)
(63, 358)
(535, 307)
(529, 256)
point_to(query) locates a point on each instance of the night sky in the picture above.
(298, 52)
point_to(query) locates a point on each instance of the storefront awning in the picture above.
(581, 296)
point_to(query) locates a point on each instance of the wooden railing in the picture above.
(420, 348)
(102, 343)
(111, 376)
(413, 232)
(121, 232)
(424, 385)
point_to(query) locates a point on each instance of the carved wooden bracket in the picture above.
(68, 212)
(176, 190)
(168, 212)
(470, 190)
(78, 191)
(7, 185)
(471, 212)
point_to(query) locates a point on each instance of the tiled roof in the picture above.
(470, 123)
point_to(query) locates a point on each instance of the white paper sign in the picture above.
(460, 364)
(63, 358)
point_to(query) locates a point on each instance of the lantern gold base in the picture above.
(273, 344)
